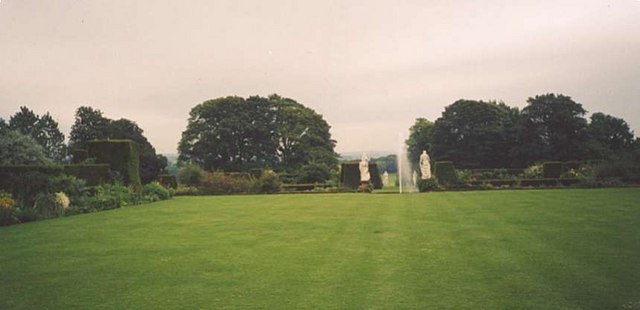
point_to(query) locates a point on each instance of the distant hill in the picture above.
(357, 155)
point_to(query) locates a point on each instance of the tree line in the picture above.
(490, 134)
(31, 139)
(223, 134)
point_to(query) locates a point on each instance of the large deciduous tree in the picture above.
(43, 129)
(237, 134)
(609, 135)
(302, 135)
(91, 125)
(551, 127)
(474, 134)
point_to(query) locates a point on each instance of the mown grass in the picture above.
(545, 249)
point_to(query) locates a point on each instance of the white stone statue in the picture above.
(364, 169)
(425, 165)
(414, 178)
(385, 179)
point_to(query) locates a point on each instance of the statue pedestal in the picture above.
(364, 186)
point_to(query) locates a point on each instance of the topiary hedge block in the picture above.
(94, 174)
(350, 175)
(445, 173)
(121, 156)
(168, 180)
(78, 156)
(552, 169)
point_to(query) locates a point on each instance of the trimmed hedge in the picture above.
(445, 173)
(122, 157)
(168, 181)
(78, 156)
(94, 174)
(350, 175)
(26, 182)
(551, 169)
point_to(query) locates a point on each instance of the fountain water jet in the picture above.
(405, 169)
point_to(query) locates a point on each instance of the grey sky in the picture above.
(370, 67)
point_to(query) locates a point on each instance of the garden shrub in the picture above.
(269, 182)
(51, 204)
(216, 183)
(26, 182)
(183, 190)
(168, 181)
(427, 185)
(26, 214)
(532, 172)
(7, 209)
(154, 191)
(445, 173)
(191, 175)
(314, 173)
(121, 155)
(94, 174)
(551, 169)
(539, 182)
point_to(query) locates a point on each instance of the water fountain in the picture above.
(405, 169)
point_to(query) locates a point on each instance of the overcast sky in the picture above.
(369, 67)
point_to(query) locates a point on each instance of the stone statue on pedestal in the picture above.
(385, 179)
(364, 169)
(425, 165)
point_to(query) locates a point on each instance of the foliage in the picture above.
(26, 182)
(471, 133)
(387, 163)
(154, 191)
(7, 206)
(217, 183)
(51, 204)
(551, 127)
(183, 190)
(168, 181)
(420, 138)
(191, 175)
(122, 157)
(445, 173)
(609, 136)
(43, 129)
(91, 125)
(314, 173)
(551, 169)
(427, 185)
(270, 182)
(19, 149)
(237, 134)
(93, 174)
(302, 135)
(532, 172)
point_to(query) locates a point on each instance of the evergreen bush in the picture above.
(445, 173)
(168, 181)
(427, 185)
(552, 169)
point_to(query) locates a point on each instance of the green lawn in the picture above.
(545, 249)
